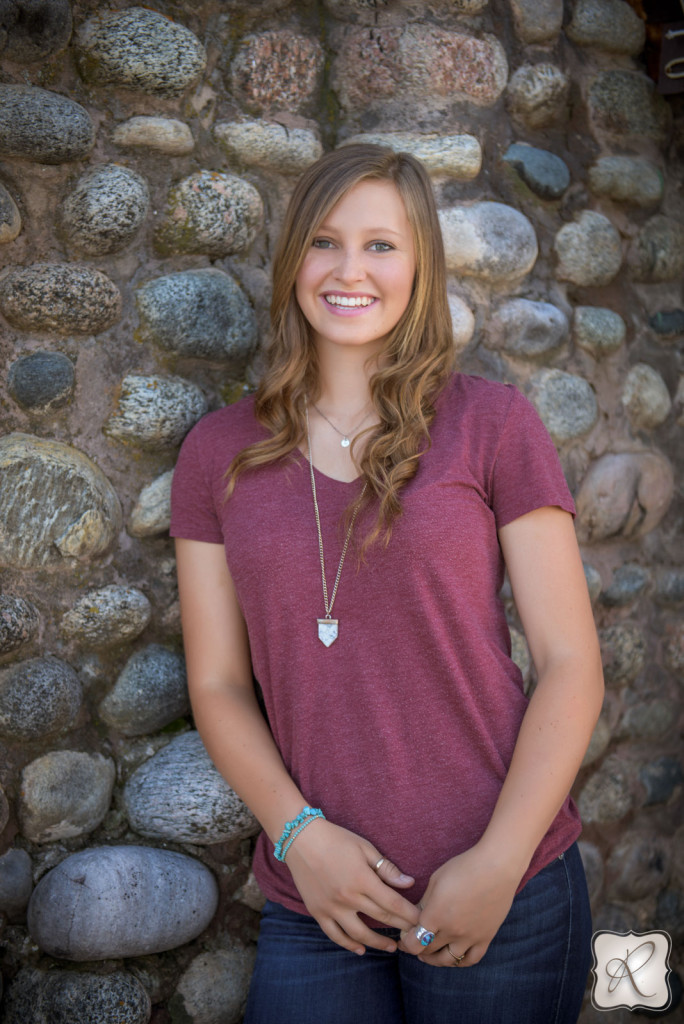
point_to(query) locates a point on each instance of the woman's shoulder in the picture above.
(467, 395)
(229, 425)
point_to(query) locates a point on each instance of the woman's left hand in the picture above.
(464, 906)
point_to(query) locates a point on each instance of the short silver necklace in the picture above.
(328, 628)
(345, 442)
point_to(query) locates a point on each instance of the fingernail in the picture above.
(361, 951)
(405, 878)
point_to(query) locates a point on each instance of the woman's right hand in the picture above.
(334, 871)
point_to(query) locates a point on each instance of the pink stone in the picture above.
(277, 70)
(624, 494)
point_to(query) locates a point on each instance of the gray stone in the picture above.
(213, 989)
(660, 779)
(105, 210)
(79, 512)
(42, 381)
(638, 866)
(31, 30)
(543, 172)
(210, 213)
(161, 134)
(645, 397)
(4, 810)
(487, 240)
(657, 253)
(139, 49)
(669, 916)
(268, 144)
(151, 514)
(16, 883)
(610, 25)
(648, 720)
(623, 651)
(19, 621)
(462, 321)
(565, 402)
(627, 179)
(250, 894)
(594, 582)
(598, 744)
(607, 795)
(537, 21)
(624, 106)
(121, 901)
(537, 94)
(65, 793)
(627, 493)
(589, 250)
(75, 997)
(10, 218)
(38, 698)
(628, 583)
(198, 313)
(520, 653)
(673, 649)
(151, 692)
(277, 70)
(527, 329)
(593, 868)
(43, 126)
(669, 588)
(111, 615)
(454, 156)
(667, 323)
(597, 330)
(179, 795)
(59, 297)
(155, 412)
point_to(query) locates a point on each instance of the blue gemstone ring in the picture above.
(424, 936)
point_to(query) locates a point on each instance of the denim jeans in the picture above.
(534, 971)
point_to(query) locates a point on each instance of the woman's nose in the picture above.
(350, 266)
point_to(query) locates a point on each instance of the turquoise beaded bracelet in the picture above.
(293, 828)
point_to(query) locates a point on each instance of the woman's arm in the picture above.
(470, 895)
(331, 867)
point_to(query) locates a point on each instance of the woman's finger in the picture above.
(389, 872)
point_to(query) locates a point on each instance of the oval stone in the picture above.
(454, 156)
(214, 987)
(597, 330)
(19, 621)
(151, 692)
(41, 381)
(10, 218)
(537, 21)
(442, 62)
(607, 796)
(645, 397)
(179, 795)
(76, 997)
(79, 512)
(657, 253)
(487, 240)
(34, 29)
(107, 616)
(267, 144)
(105, 210)
(162, 134)
(38, 698)
(627, 179)
(628, 583)
(16, 882)
(277, 70)
(537, 94)
(59, 297)
(64, 794)
(210, 213)
(565, 402)
(638, 866)
(527, 329)
(139, 49)
(151, 514)
(543, 172)
(155, 412)
(43, 126)
(609, 25)
(625, 106)
(589, 250)
(121, 901)
(660, 778)
(623, 653)
(626, 493)
(462, 321)
(198, 313)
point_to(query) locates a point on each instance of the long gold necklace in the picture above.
(328, 628)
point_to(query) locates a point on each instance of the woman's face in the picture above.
(356, 279)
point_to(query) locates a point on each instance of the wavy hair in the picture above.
(419, 352)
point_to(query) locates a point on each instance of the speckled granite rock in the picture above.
(155, 412)
(105, 210)
(80, 514)
(627, 179)
(19, 621)
(139, 49)
(626, 493)
(660, 779)
(277, 70)
(61, 297)
(537, 21)
(537, 94)
(121, 901)
(589, 250)
(607, 795)
(210, 213)
(16, 882)
(34, 29)
(267, 144)
(161, 134)
(627, 585)
(543, 172)
(213, 989)
(10, 218)
(645, 397)
(639, 865)
(151, 692)
(76, 997)
(38, 698)
(598, 744)
(151, 514)
(44, 126)
(65, 793)
(648, 720)
(455, 156)
(487, 240)
(198, 313)
(624, 106)
(597, 330)
(669, 587)
(111, 615)
(609, 25)
(42, 381)
(657, 253)
(566, 403)
(623, 652)
(179, 795)
(527, 329)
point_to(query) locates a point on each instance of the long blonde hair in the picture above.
(419, 350)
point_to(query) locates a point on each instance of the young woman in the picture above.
(342, 537)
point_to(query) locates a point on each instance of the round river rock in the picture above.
(487, 240)
(151, 692)
(155, 412)
(41, 381)
(38, 698)
(105, 210)
(64, 794)
(111, 615)
(60, 297)
(76, 997)
(43, 126)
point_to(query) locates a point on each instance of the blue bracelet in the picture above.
(293, 828)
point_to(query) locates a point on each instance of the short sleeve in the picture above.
(527, 473)
(193, 510)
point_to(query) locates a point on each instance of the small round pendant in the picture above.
(345, 442)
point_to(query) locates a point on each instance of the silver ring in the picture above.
(379, 864)
(424, 936)
(453, 955)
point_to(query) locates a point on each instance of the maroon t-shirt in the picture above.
(403, 729)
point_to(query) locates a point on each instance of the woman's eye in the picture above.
(322, 243)
(381, 247)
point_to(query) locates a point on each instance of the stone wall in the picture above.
(146, 154)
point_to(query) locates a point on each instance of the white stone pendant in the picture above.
(327, 631)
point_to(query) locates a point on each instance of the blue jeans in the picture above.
(534, 971)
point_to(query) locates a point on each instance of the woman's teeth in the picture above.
(343, 300)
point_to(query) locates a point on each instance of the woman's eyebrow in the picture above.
(328, 229)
